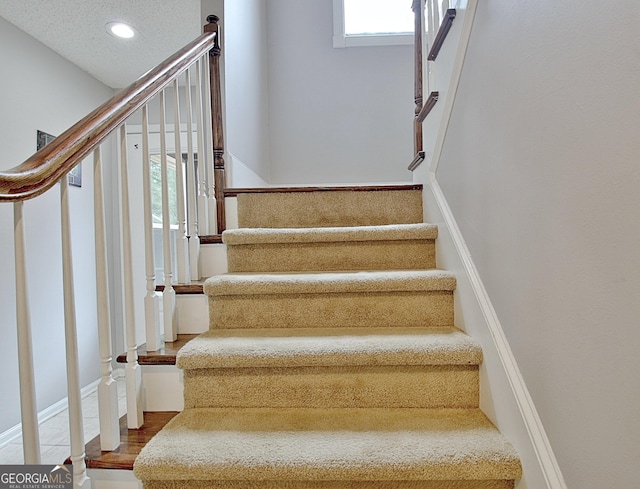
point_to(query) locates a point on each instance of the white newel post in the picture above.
(182, 243)
(151, 300)
(107, 389)
(203, 221)
(168, 294)
(80, 478)
(133, 373)
(28, 408)
(192, 191)
(211, 192)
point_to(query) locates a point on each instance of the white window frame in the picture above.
(341, 40)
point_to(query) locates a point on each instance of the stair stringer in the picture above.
(504, 396)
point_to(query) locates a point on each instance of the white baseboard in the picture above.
(15, 431)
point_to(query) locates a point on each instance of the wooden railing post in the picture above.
(216, 120)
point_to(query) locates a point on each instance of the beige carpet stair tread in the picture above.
(394, 232)
(315, 347)
(329, 209)
(329, 282)
(328, 444)
(285, 484)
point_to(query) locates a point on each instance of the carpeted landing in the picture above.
(332, 360)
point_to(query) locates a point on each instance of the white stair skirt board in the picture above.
(239, 175)
(113, 479)
(163, 388)
(193, 313)
(213, 259)
(514, 415)
(231, 210)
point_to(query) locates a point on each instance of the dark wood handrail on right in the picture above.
(422, 110)
(417, 125)
(45, 168)
(445, 26)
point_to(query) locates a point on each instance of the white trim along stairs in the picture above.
(332, 359)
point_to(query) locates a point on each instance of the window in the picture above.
(372, 22)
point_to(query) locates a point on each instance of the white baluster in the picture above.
(107, 389)
(168, 294)
(427, 28)
(444, 6)
(133, 373)
(151, 300)
(80, 477)
(208, 165)
(432, 29)
(194, 238)
(182, 243)
(28, 409)
(203, 221)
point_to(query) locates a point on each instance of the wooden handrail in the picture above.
(428, 105)
(417, 125)
(41, 171)
(445, 26)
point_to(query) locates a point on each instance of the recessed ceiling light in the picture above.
(120, 29)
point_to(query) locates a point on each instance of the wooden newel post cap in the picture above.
(213, 26)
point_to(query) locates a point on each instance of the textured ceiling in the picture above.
(76, 30)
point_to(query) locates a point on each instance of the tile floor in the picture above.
(54, 433)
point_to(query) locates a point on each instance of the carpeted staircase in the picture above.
(332, 359)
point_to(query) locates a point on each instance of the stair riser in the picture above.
(334, 387)
(363, 255)
(388, 309)
(328, 209)
(223, 484)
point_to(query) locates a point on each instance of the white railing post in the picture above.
(192, 190)
(203, 221)
(133, 373)
(151, 301)
(182, 243)
(212, 210)
(28, 408)
(108, 388)
(80, 477)
(168, 294)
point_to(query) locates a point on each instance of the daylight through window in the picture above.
(377, 17)
(372, 22)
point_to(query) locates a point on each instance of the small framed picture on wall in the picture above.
(74, 176)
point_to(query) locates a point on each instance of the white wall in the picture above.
(246, 97)
(335, 115)
(540, 168)
(40, 90)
